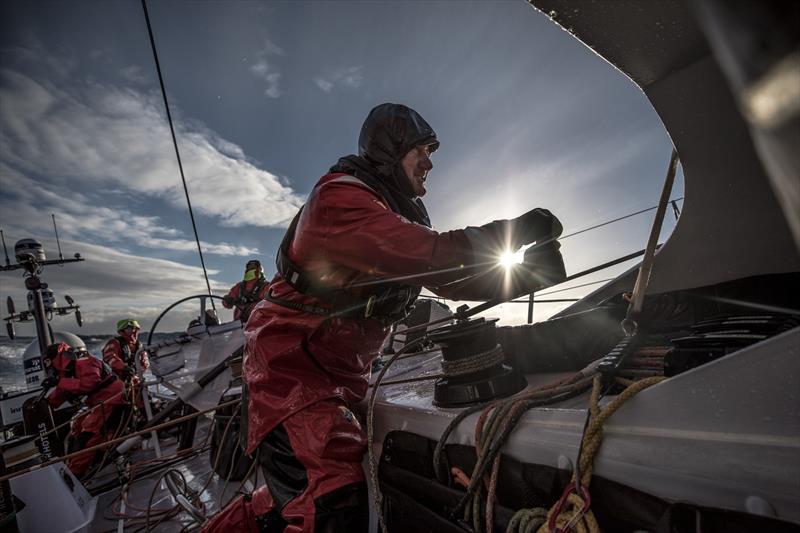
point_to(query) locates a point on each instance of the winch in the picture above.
(473, 364)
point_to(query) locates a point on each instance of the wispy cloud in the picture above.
(134, 74)
(264, 68)
(77, 133)
(348, 77)
(79, 217)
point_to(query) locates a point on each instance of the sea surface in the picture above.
(12, 377)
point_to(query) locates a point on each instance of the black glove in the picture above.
(543, 266)
(228, 301)
(494, 238)
(49, 383)
(534, 226)
(127, 373)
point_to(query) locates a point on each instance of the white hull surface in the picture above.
(723, 435)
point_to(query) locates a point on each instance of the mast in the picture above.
(31, 259)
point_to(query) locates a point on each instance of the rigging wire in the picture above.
(576, 286)
(175, 144)
(616, 219)
(434, 297)
(584, 230)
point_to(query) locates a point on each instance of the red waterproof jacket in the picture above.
(119, 354)
(346, 234)
(246, 294)
(86, 376)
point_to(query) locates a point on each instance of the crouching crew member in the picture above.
(76, 375)
(244, 296)
(351, 263)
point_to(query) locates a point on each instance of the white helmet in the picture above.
(75, 342)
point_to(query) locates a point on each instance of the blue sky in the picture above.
(266, 97)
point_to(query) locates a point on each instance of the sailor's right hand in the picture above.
(49, 383)
(228, 301)
(536, 225)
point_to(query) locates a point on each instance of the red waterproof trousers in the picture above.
(312, 464)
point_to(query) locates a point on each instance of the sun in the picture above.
(508, 259)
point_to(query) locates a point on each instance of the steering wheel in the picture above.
(202, 297)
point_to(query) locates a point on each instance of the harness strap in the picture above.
(297, 306)
(293, 275)
(395, 298)
(388, 306)
(246, 297)
(127, 353)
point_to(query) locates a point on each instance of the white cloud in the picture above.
(348, 77)
(133, 73)
(324, 84)
(266, 70)
(76, 133)
(27, 203)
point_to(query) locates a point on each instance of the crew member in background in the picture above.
(76, 374)
(120, 351)
(120, 354)
(247, 293)
(352, 262)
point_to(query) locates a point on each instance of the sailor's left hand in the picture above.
(543, 266)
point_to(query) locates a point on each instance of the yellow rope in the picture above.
(571, 513)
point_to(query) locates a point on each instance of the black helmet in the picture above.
(255, 263)
(391, 131)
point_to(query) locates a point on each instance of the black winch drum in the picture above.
(465, 340)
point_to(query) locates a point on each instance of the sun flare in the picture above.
(509, 258)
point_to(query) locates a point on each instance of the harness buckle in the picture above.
(369, 307)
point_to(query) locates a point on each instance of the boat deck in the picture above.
(147, 504)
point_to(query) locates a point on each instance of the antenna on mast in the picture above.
(60, 255)
(5, 250)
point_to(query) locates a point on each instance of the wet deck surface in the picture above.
(129, 511)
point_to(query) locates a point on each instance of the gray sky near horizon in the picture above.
(266, 97)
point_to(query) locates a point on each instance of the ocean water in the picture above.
(12, 377)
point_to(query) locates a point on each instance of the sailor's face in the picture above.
(131, 333)
(416, 164)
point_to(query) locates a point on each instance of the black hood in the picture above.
(388, 134)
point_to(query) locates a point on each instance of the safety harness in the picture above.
(384, 301)
(251, 297)
(127, 353)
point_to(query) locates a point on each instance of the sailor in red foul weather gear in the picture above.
(247, 293)
(120, 351)
(120, 354)
(76, 374)
(310, 345)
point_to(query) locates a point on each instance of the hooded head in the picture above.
(58, 357)
(389, 133)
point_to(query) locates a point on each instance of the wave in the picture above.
(12, 376)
